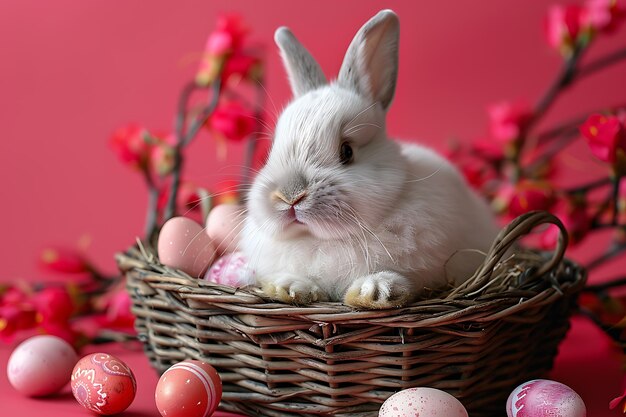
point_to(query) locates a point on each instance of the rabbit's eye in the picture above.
(346, 154)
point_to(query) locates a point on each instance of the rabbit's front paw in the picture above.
(293, 289)
(384, 289)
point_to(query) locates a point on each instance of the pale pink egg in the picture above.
(184, 245)
(188, 389)
(103, 384)
(231, 269)
(414, 402)
(41, 365)
(224, 225)
(542, 397)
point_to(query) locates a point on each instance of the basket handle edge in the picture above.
(506, 238)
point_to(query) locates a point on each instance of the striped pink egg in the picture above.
(188, 389)
(542, 397)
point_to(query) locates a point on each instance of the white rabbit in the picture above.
(341, 212)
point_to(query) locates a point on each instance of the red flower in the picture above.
(189, 196)
(54, 305)
(488, 150)
(233, 121)
(225, 41)
(242, 66)
(507, 120)
(523, 197)
(189, 199)
(131, 146)
(64, 260)
(17, 313)
(563, 26)
(13, 296)
(477, 173)
(474, 162)
(604, 15)
(15, 318)
(227, 37)
(606, 137)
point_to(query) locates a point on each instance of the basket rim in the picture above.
(467, 302)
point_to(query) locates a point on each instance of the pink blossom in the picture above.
(233, 26)
(219, 43)
(563, 26)
(606, 137)
(225, 41)
(233, 121)
(227, 37)
(604, 15)
(523, 197)
(507, 120)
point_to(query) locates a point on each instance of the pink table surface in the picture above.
(586, 363)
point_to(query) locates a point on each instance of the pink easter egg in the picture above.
(184, 245)
(542, 397)
(224, 225)
(41, 365)
(231, 269)
(103, 384)
(188, 389)
(414, 402)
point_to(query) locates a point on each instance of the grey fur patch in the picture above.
(304, 72)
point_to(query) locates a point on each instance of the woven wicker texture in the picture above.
(477, 342)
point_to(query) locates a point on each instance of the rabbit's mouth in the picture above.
(293, 217)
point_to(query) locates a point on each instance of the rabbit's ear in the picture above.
(304, 72)
(371, 63)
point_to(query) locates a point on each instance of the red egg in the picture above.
(103, 384)
(189, 389)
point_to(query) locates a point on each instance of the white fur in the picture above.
(375, 232)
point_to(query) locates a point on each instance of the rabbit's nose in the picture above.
(291, 200)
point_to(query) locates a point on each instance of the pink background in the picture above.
(73, 71)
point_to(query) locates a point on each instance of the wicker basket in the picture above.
(477, 341)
